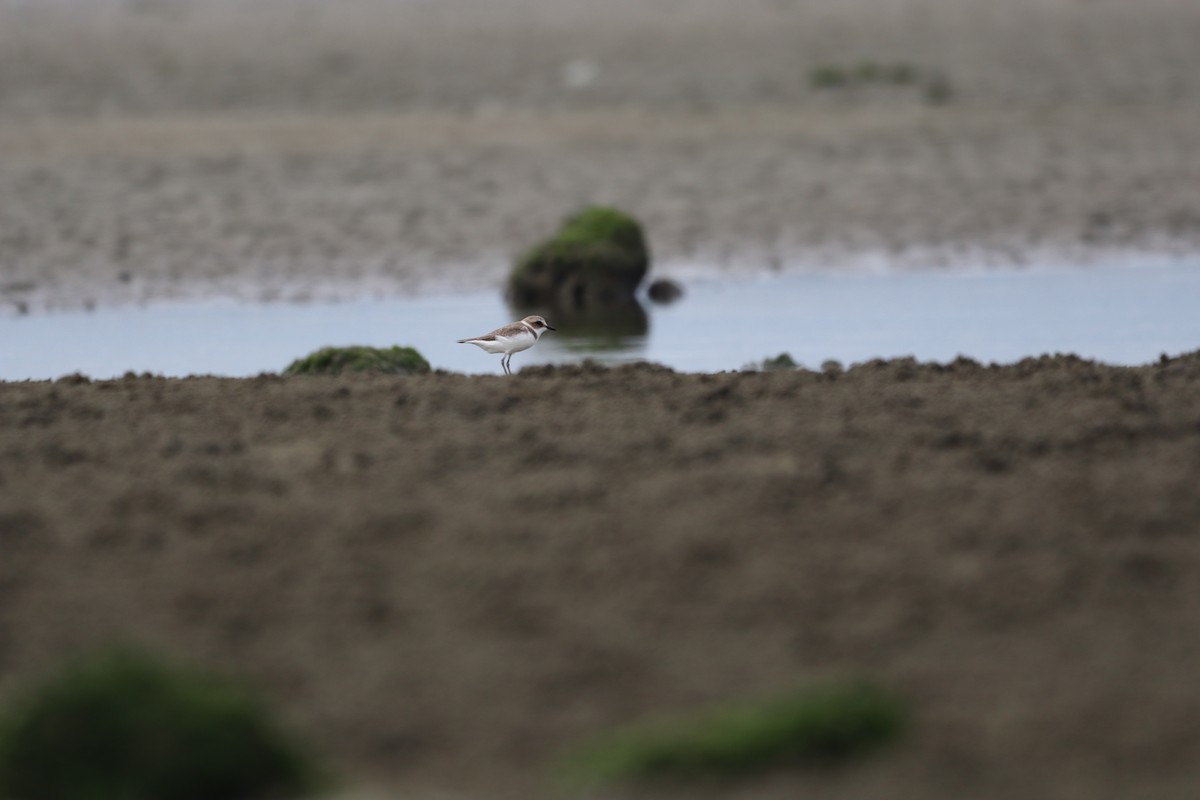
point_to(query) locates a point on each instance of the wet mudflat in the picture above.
(444, 579)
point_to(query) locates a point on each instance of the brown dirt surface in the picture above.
(444, 580)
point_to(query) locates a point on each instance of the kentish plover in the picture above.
(511, 339)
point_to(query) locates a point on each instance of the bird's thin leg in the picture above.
(504, 363)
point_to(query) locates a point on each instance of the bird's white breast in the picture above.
(506, 344)
(515, 344)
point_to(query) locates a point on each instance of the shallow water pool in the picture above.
(1118, 315)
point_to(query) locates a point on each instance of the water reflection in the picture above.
(621, 326)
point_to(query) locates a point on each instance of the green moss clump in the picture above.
(122, 725)
(783, 361)
(828, 76)
(825, 723)
(867, 71)
(336, 360)
(598, 258)
(832, 367)
(938, 91)
(902, 74)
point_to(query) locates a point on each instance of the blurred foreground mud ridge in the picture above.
(429, 571)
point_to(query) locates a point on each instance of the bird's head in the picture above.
(539, 325)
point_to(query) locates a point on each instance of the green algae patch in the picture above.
(336, 360)
(781, 362)
(596, 259)
(125, 725)
(826, 723)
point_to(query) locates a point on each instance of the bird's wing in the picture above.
(506, 332)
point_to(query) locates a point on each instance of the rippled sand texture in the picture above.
(154, 148)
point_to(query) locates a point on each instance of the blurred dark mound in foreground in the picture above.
(122, 723)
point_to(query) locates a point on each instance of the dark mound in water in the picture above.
(596, 260)
(664, 291)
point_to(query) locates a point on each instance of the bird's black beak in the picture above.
(551, 329)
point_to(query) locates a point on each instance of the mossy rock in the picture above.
(123, 725)
(357, 358)
(597, 259)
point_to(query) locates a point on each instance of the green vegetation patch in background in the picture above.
(824, 723)
(123, 725)
(357, 358)
(936, 87)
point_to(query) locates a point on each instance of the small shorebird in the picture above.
(511, 339)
